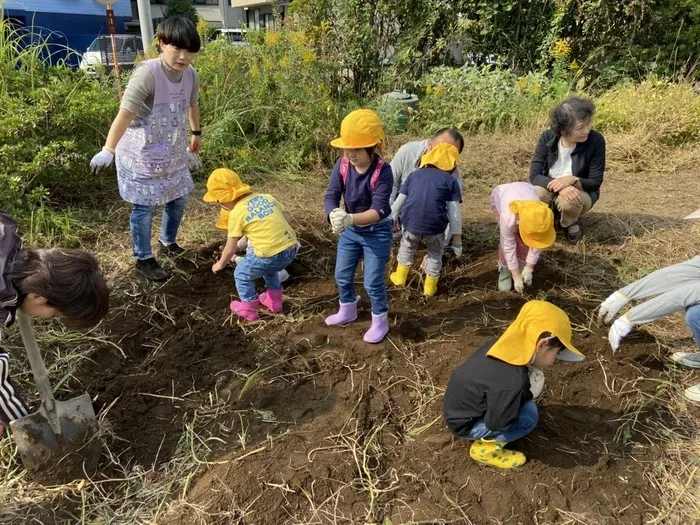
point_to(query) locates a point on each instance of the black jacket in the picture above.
(587, 161)
(10, 246)
(485, 387)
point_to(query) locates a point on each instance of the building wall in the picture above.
(65, 24)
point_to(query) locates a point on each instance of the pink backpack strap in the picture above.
(344, 169)
(375, 176)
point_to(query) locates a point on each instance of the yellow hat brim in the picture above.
(341, 144)
(208, 197)
(539, 242)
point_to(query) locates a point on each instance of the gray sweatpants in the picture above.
(410, 243)
(676, 288)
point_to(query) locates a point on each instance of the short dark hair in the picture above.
(180, 32)
(70, 280)
(564, 116)
(454, 133)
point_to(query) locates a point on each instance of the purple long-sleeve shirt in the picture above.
(356, 193)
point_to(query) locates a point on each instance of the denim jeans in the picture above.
(521, 427)
(372, 242)
(252, 267)
(142, 221)
(692, 319)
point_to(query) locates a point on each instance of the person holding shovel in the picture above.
(489, 399)
(150, 141)
(43, 283)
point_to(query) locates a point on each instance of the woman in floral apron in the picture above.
(149, 137)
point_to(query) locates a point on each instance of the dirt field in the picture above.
(288, 421)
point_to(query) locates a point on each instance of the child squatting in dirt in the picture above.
(260, 218)
(364, 181)
(489, 399)
(44, 283)
(426, 203)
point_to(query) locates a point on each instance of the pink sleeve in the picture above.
(508, 225)
(533, 256)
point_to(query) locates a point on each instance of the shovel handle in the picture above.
(41, 376)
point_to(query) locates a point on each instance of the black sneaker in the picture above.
(151, 270)
(172, 250)
(574, 233)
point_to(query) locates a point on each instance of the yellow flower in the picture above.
(520, 83)
(254, 71)
(439, 90)
(298, 38)
(561, 49)
(573, 66)
(272, 37)
(428, 89)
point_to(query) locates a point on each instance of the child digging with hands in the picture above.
(488, 399)
(363, 181)
(260, 218)
(426, 203)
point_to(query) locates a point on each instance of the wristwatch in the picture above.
(197, 133)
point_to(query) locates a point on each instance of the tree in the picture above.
(181, 8)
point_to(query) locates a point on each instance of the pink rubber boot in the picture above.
(272, 299)
(347, 313)
(378, 330)
(247, 311)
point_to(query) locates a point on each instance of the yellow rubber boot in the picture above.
(492, 453)
(430, 286)
(400, 275)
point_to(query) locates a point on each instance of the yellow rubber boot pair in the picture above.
(400, 275)
(430, 286)
(492, 453)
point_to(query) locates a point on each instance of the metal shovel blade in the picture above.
(57, 457)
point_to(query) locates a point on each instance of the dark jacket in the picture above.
(10, 246)
(587, 161)
(485, 387)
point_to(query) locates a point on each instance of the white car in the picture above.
(100, 52)
(236, 36)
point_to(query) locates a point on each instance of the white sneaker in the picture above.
(693, 393)
(536, 381)
(687, 359)
(505, 280)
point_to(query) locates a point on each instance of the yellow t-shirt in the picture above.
(259, 217)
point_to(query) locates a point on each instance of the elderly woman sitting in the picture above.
(568, 165)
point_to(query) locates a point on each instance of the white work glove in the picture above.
(618, 331)
(457, 250)
(194, 163)
(610, 307)
(519, 284)
(101, 161)
(340, 219)
(527, 276)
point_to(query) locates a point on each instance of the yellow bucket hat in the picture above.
(361, 128)
(225, 185)
(517, 345)
(535, 223)
(222, 223)
(443, 156)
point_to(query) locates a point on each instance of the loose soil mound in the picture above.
(308, 424)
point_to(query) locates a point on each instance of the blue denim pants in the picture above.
(252, 267)
(141, 223)
(372, 242)
(521, 427)
(692, 319)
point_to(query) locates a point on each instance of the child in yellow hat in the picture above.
(363, 181)
(526, 226)
(260, 218)
(488, 399)
(426, 203)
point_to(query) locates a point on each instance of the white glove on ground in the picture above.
(194, 163)
(618, 331)
(101, 161)
(340, 219)
(527, 276)
(610, 307)
(457, 250)
(518, 284)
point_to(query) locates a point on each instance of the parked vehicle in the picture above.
(235, 36)
(100, 52)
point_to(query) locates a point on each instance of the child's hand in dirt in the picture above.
(518, 284)
(397, 226)
(218, 266)
(527, 276)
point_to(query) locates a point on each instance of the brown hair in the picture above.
(70, 280)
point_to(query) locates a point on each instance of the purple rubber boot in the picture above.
(247, 311)
(378, 330)
(347, 313)
(272, 299)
